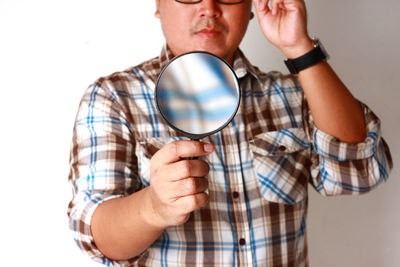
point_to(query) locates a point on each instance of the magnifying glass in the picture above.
(197, 94)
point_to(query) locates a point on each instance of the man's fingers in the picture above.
(177, 150)
(191, 203)
(172, 191)
(277, 5)
(177, 182)
(190, 186)
(274, 6)
(181, 178)
(185, 168)
(261, 5)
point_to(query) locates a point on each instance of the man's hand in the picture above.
(285, 25)
(178, 184)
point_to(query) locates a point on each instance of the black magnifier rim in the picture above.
(191, 135)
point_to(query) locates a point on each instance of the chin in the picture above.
(210, 48)
(213, 50)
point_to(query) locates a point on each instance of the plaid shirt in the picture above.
(259, 171)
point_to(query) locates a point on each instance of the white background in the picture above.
(50, 51)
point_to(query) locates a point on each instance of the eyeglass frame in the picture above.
(218, 1)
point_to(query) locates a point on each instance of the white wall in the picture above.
(50, 51)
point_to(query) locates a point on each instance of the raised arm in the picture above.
(334, 110)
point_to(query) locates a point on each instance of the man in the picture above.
(139, 200)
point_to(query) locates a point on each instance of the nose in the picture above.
(210, 8)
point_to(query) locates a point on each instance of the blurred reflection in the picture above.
(197, 94)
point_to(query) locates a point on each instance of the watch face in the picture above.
(317, 42)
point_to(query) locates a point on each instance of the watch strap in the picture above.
(305, 61)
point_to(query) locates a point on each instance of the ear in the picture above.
(157, 13)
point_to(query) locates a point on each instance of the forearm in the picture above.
(334, 110)
(122, 227)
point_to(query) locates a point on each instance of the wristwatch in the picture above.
(307, 60)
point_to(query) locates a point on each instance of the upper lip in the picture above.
(208, 26)
(208, 29)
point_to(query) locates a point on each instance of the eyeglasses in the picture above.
(225, 2)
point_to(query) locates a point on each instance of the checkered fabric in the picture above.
(259, 172)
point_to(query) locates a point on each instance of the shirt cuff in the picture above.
(329, 146)
(80, 221)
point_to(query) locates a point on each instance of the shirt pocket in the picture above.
(282, 163)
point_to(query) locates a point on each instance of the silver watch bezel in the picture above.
(317, 43)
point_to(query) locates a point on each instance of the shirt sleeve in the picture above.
(102, 162)
(340, 168)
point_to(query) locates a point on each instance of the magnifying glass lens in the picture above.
(197, 94)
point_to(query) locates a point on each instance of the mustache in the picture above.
(206, 23)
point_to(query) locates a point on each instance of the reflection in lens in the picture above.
(197, 93)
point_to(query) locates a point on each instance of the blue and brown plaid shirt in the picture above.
(259, 172)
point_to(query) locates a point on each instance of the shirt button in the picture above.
(235, 194)
(282, 148)
(242, 241)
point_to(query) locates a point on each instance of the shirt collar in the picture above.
(242, 66)
(165, 56)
